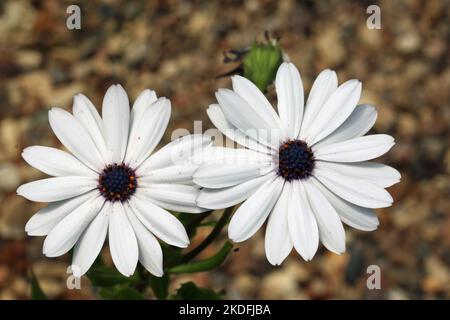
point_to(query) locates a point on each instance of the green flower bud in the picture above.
(261, 64)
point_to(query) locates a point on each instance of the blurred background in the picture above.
(176, 48)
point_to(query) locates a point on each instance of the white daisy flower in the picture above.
(111, 184)
(304, 169)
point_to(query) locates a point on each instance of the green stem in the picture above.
(210, 238)
(190, 228)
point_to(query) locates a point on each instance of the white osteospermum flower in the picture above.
(304, 169)
(111, 184)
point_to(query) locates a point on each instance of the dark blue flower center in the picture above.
(117, 182)
(295, 160)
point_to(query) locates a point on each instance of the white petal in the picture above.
(217, 176)
(356, 149)
(355, 216)
(91, 242)
(172, 196)
(335, 111)
(83, 100)
(322, 88)
(219, 120)
(122, 241)
(75, 138)
(147, 132)
(150, 253)
(87, 114)
(181, 174)
(176, 152)
(116, 119)
(358, 124)
(160, 222)
(66, 233)
(247, 119)
(376, 173)
(357, 191)
(253, 212)
(331, 231)
(302, 222)
(142, 102)
(47, 218)
(256, 99)
(278, 243)
(221, 155)
(227, 197)
(55, 162)
(55, 189)
(289, 87)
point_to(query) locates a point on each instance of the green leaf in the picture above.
(120, 293)
(189, 291)
(204, 265)
(102, 276)
(36, 291)
(160, 286)
(261, 64)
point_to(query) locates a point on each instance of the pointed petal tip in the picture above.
(31, 233)
(371, 229)
(340, 249)
(273, 262)
(115, 87)
(77, 271)
(212, 106)
(111, 87)
(290, 65)
(232, 236)
(51, 112)
(51, 254)
(159, 273)
(28, 227)
(354, 83)
(56, 109)
(184, 244)
(308, 256)
(369, 106)
(127, 271)
(336, 250)
(236, 77)
(45, 250)
(328, 72)
(184, 241)
(219, 92)
(276, 261)
(222, 91)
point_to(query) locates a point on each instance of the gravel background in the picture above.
(176, 49)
